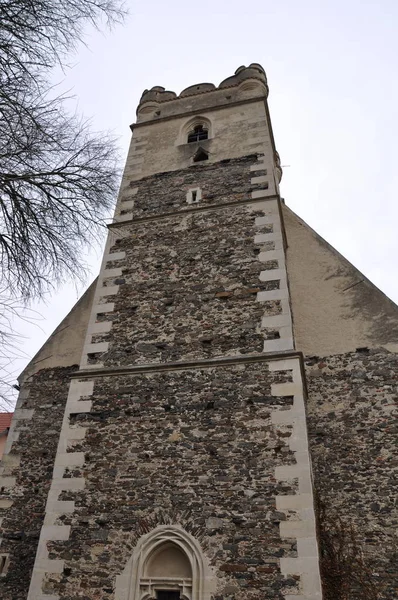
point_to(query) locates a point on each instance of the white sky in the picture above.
(331, 68)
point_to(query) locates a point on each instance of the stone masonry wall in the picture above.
(197, 447)
(160, 147)
(189, 290)
(353, 409)
(195, 285)
(27, 473)
(221, 182)
(157, 431)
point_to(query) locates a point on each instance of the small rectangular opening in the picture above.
(194, 195)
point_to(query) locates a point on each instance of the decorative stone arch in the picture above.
(189, 125)
(185, 568)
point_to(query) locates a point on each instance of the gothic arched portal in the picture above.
(167, 563)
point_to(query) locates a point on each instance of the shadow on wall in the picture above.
(365, 301)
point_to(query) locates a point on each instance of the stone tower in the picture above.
(163, 439)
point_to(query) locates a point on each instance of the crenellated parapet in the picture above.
(246, 82)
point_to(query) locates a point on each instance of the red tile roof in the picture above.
(5, 421)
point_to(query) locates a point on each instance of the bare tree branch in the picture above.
(58, 178)
(11, 346)
(41, 33)
(57, 182)
(345, 570)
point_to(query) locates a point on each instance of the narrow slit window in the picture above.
(194, 196)
(198, 134)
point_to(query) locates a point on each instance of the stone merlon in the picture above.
(246, 79)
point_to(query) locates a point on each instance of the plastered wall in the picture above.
(64, 346)
(335, 308)
(158, 147)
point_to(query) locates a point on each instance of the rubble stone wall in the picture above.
(221, 182)
(188, 289)
(27, 469)
(199, 447)
(194, 285)
(353, 429)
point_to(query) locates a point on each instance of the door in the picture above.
(168, 595)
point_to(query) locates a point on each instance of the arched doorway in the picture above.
(167, 564)
(167, 573)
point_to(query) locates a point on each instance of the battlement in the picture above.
(247, 82)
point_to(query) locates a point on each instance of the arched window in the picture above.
(167, 564)
(197, 134)
(196, 129)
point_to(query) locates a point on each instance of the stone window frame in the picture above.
(4, 564)
(192, 197)
(189, 125)
(132, 583)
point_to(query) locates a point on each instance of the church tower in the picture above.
(175, 461)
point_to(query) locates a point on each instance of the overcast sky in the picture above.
(332, 73)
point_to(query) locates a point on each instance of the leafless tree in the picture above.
(11, 347)
(345, 570)
(40, 33)
(58, 179)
